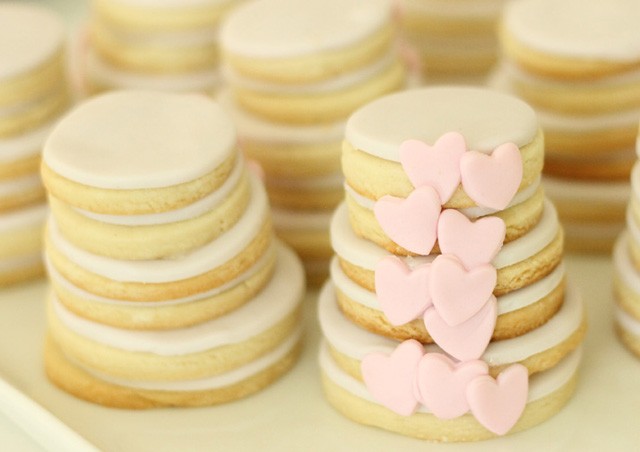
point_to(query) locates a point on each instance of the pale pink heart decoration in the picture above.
(391, 379)
(468, 340)
(410, 222)
(492, 180)
(457, 293)
(437, 166)
(474, 242)
(442, 383)
(403, 293)
(498, 404)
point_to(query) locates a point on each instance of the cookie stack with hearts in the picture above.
(33, 94)
(577, 63)
(168, 288)
(296, 71)
(166, 45)
(455, 41)
(448, 316)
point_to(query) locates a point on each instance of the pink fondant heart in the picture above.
(410, 222)
(442, 383)
(498, 404)
(492, 180)
(474, 243)
(437, 166)
(458, 293)
(468, 340)
(403, 293)
(391, 379)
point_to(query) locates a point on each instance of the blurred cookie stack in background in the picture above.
(33, 94)
(295, 71)
(167, 45)
(577, 63)
(456, 41)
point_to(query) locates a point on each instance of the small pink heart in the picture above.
(442, 383)
(403, 293)
(498, 404)
(492, 180)
(437, 166)
(468, 340)
(458, 293)
(411, 222)
(474, 242)
(391, 379)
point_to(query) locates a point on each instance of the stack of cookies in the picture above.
(455, 41)
(168, 288)
(161, 45)
(448, 316)
(626, 261)
(577, 64)
(33, 94)
(296, 70)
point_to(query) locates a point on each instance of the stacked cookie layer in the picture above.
(166, 45)
(626, 261)
(577, 64)
(455, 41)
(33, 94)
(168, 287)
(448, 262)
(296, 70)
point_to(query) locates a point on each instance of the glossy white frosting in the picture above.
(356, 342)
(284, 219)
(16, 187)
(24, 145)
(197, 262)
(25, 217)
(594, 29)
(366, 254)
(280, 297)
(485, 118)
(29, 35)
(608, 192)
(140, 139)
(540, 384)
(194, 210)
(291, 28)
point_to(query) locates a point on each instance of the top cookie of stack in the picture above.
(33, 94)
(165, 45)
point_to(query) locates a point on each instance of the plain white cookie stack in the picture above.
(33, 94)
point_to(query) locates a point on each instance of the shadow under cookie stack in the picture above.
(447, 316)
(295, 71)
(577, 63)
(33, 94)
(168, 287)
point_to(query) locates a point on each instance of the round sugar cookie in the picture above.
(139, 152)
(572, 39)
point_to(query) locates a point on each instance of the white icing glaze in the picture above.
(284, 219)
(190, 211)
(462, 9)
(608, 192)
(237, 375)
(469, 212)
(513, 301)
(280, 297)
(485, 118)
(356, 342)
(105, 74)
(15, 187)
(23, 218)
(255, 128)
(290, 28)
(140, 139)
(540, 384)
(29, 35)
(24, 145)
(594, 29)
(197, 262)
(54, 275)
(630, 324)
(366, 254)
(20, 262)
(339, 82)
